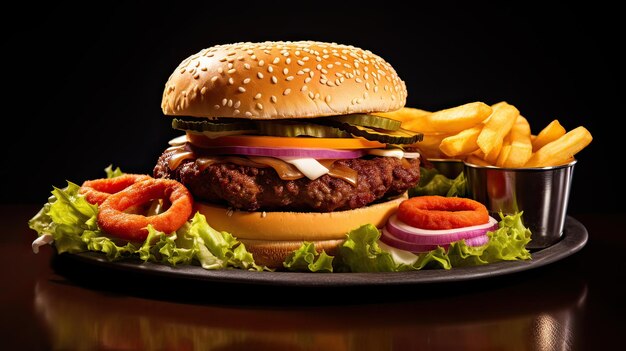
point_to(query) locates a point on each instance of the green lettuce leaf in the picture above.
(307, 259)
(433, 183)
(362, 252)
(112, 173)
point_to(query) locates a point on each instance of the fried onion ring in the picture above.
(98, 190)
(113, 220)
(439, 212)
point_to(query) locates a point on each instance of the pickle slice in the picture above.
(295, 129)
(212, 125)
(400, 136)
(371, 121)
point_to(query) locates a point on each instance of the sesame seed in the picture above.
(375, 89)
(203, 69)
(273, 99)
(300, 72)
(287, 91)
(231, 53)
(337, 81)
(224, 102)
(276, 60)
(261, 63)
(248, 114)
(274, 79)
(260, 75)
(253, 57)
(305, 58)
(297, 53)
(330, 65)
(317, 96)
(214, 79)
(318, 66)
(231, 71)
(288, 60)
(240, 58)
(246, 81)
(327, 99)
(324, 70)
(196, 76)
(338, 74)
(230, 66)
(318, 59)
(242, 89)
(366, 76)
(259, 105)
(393, 97)
(223, 59)
(236, 112)
(250, 52)
(217, 107)
(182, 71)
(231, 81)
(246, 65)
(311, 95)
(270, 69)
(304, 88)
(301, 63)
(290, 78)
(230, 103)
(220, 70)
(257, 96)
(365, 95)
(203, 90)
(323, 81)
(358, 80)
(237, 104)
(311, 74)
(307, 79)
(285, 71)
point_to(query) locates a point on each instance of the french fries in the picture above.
(521, 148)
(562, 149)
(497, 127)
(496, 135)
(551, 132)
(451, 121)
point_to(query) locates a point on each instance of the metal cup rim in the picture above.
(521, 169)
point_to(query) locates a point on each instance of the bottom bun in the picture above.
(271, 253)
(271, 236)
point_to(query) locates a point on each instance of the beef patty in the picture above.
(261, 189)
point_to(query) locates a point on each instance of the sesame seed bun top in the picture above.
(273, 80)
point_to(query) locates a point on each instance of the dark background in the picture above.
(85, 84)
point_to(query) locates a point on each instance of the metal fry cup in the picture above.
(542, 193)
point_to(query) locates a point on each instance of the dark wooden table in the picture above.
(49, 302)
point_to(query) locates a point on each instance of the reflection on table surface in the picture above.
(94, 312)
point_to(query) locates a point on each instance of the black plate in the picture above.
(574, 238)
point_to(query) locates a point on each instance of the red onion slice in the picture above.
(284, 152)
(391, 240)
(419, 236)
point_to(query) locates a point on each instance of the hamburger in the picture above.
(282, 143)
